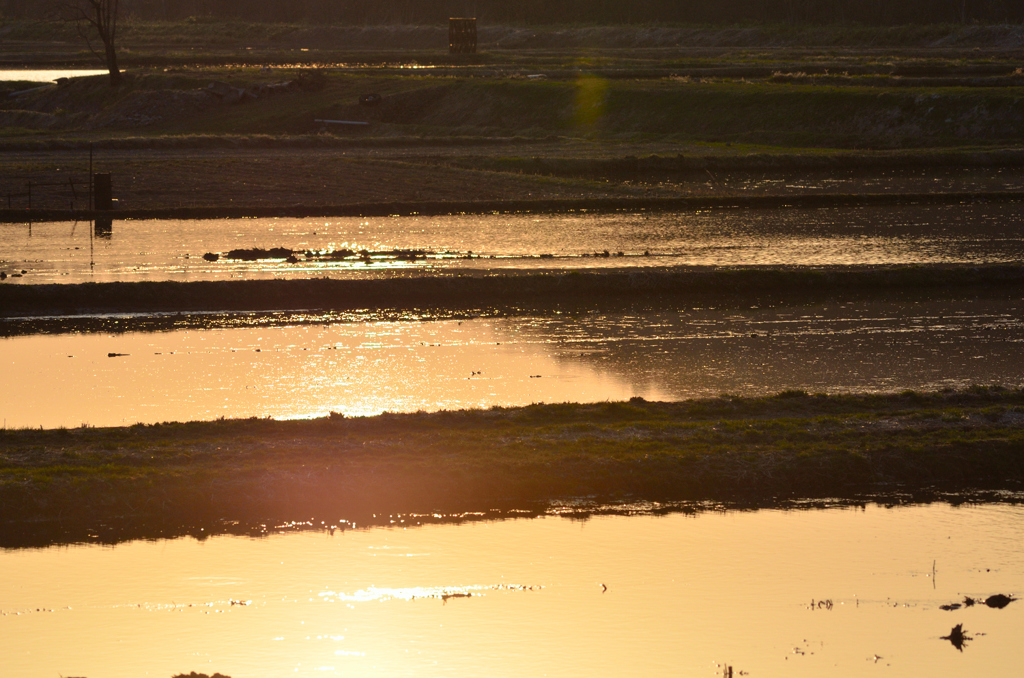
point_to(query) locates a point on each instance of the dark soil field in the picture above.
(271, 177)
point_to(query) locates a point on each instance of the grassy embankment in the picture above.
(798, 112)
(499, 139)
(727, 449)
(621, 109)
(207, 40)
(506, 292)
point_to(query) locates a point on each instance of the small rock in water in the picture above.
(116, 355)
(951, 606)
(211, 256)
(969, 602)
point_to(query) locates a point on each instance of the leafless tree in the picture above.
(961, 11)
(96, 19)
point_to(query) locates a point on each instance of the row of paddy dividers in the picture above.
(557, 205)
(752, 451)
(503, 292)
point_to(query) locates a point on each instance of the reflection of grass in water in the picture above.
(748, 449)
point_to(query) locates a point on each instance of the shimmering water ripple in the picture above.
(174, 250)
(362, 368)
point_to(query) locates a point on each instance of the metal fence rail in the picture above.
(59, 189)
(46, 194)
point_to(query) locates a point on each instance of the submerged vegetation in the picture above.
(728, 448)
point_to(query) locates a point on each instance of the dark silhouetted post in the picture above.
(103, 196)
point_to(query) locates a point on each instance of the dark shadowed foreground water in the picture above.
(836, 592)
(362, 368)
(174, 250)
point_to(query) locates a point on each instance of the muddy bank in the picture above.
(756, 450)
(530, 290)
(597, 204)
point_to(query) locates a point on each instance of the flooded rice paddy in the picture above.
(44, 75)
(370, 247)
(835, 592)
(368, 366)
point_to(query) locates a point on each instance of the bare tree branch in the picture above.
(95, 18)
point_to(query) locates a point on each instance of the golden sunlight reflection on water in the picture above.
(686, 595)
(291, 372)
(174, 250)
(361, 368)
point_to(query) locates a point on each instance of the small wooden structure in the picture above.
(461, 36)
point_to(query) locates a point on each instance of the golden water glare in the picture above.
(611, 596)
(364, 368)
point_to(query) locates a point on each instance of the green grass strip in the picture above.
(789, 446)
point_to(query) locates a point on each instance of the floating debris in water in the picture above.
(999, 601)
(257, 253)
(446, 596)
(958, 637)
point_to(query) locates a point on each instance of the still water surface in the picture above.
(686, 596)
(173, 250)
(362, 368)
(35, 75)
